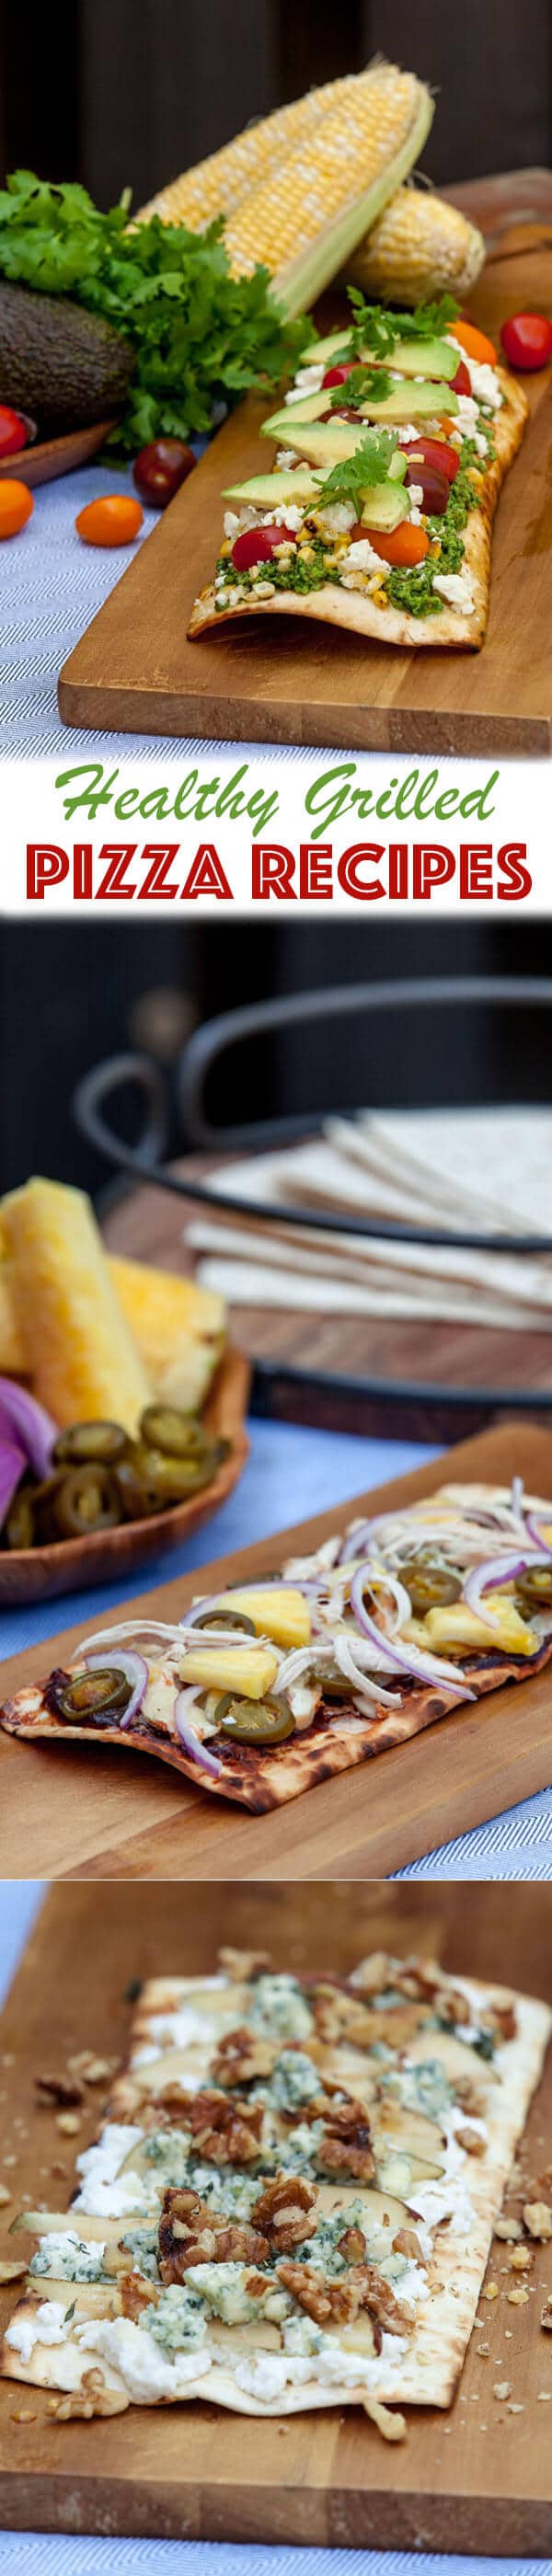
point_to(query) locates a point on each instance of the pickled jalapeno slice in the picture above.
(87, 1500)
(99, 1442)
(227, 1619)
(254, 1721)
(177, 1434)
(19, 1525)
(431, 1587)
(96, 1695)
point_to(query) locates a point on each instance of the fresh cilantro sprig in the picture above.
(201, 336)
(376, 330)
(369, 384)
(357, 474)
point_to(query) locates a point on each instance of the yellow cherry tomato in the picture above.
(16, 505)
(112, 521)
(476, 344)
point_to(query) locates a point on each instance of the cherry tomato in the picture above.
(257, 545)
(433, 451)
(16, 505)
(160, 469)
(16, 431)
(461, 382)
(527, 341)
(112, 521)
(337, 375)
(435, 487)
(405, 545)
(476, 344)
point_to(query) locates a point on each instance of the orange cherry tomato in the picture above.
(16, 504)
(112, 521)
(405, 545)
(476, 344)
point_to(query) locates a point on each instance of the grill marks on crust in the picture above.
(261, 1781)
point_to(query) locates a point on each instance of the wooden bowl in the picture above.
(67, 1565)
(52, 456)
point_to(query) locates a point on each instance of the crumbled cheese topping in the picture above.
(456, 588)
(43, 2325)
(141, 2365)
(362, 557)
(101, 2195)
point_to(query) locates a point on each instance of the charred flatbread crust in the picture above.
(333, 606)
(429, 2370)
(336, 1740)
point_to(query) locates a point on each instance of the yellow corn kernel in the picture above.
(304, 220)
(219, 184)
(82, 1360)
(420, 247)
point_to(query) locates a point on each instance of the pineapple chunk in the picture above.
(280, 1613)
(450, 1630)
(248, 1670)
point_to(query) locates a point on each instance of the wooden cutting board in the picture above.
(72, 1811)
(267, 680)
(478, 2475)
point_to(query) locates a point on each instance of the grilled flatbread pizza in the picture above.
(266, 1690)
(292, 2200)
(391, 447)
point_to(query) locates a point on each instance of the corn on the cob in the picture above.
(216, 186)
(179, 1329)
(78, 1350)
(420, 247)
(303, 224)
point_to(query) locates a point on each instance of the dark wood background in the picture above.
(119, 92)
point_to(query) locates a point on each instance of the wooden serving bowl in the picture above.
(52, 456)
(66, 1565)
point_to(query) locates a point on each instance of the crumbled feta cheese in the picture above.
(361, 557)
(483, 379)
(309, 378)
(410, 433)
(468, 411)
(416, 491)
(456, 588)
(286, 459)
(45, 2325)
(337, 518)
(182, 2029)
(231, 523)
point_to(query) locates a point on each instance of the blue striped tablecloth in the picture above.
(290, 1471)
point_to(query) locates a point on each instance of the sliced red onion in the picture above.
(12, 1468)
(21, 1417)
(135, 1670)
(184, 1702)
(490, 1576)
(425, 1668)
(533, 1531)
(363, 1683)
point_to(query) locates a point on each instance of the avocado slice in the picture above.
(265, 491)
(326, 353)
(331, 440)
(385, 505)
(328, 442)
(417, 399)
(311, 407)
(425, 358)
(65, 366)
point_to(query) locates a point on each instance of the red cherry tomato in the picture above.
(16, 431)
(461, 382)
(160, 469)
(257, 545)
(433, 451)
(337, 375)
(527, 341)
(434, 486)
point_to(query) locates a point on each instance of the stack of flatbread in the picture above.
(486, 1172)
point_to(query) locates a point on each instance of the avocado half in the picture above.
(64, 366)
